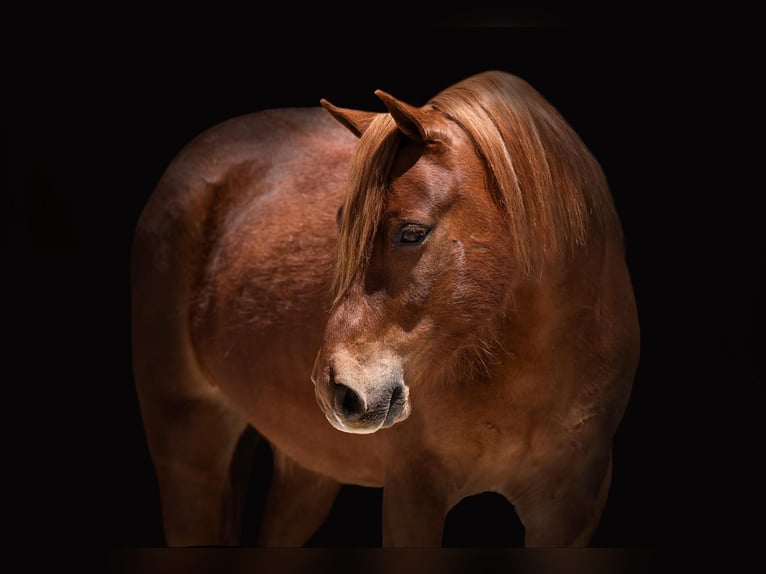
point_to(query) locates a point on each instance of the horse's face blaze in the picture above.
(437, 273)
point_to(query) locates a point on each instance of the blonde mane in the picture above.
(363, 206)
(543, 178)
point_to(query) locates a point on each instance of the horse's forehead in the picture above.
(420, 180)
(435, 169)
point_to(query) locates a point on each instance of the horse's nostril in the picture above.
(396, 394)
(347, 402)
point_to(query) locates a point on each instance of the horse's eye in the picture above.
(412, 234)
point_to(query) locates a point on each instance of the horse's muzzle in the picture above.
(362, 404)
(385, 408)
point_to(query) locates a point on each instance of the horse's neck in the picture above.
(565, 330)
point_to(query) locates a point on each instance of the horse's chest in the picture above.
(484, 449)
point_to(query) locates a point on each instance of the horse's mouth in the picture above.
(395, 410)
(398, 407)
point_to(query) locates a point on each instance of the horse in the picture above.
(433, 300)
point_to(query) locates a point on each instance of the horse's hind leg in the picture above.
(191, 431)
(192, 441)
(565, 512)
(297, 504)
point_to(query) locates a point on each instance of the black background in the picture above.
(96, 112)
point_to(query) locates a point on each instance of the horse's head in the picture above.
(421, 265)
(428, 241)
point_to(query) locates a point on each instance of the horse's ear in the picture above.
(409, 119)
(355, 120)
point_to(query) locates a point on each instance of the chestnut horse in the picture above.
(433, 300)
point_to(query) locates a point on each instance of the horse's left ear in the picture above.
(355, 121)
(409, 119)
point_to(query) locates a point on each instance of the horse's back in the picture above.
(262, 146)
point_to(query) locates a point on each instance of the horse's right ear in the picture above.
(355, 120)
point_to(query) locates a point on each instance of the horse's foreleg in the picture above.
(567, 513)
(192, 442)
(297, 504)
(414, 511)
